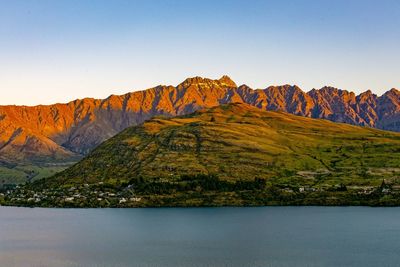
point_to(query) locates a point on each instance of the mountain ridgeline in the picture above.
(53, 134)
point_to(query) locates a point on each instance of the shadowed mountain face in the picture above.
(64, 131)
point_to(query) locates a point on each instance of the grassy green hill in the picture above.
(236, 155)
(241, 142)
(19, 174)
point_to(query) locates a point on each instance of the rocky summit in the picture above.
(48, 135)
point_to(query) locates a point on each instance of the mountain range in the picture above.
(53, 135)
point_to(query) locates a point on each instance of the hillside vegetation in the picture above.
(239, 148)
(241, 142)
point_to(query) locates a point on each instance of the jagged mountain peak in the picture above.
(226, 80)
(367, 96)
(194, 81)
(393, 91)
(368, 92)
(284, 87)
(331, 89)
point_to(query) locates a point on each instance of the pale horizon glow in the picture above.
(58, 51)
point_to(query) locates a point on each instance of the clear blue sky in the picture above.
(56, 50)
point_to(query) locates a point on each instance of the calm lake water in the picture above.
(270, 236)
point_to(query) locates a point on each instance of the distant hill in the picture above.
(48, 135)
(240, 142)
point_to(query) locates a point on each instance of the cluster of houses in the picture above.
(99, 195)
(361, 190)
(72, 195)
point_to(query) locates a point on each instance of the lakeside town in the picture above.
(131, 195)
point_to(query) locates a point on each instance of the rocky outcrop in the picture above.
(60, 131)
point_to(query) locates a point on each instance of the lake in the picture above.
(266, 236)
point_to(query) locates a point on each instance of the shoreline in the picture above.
(196, 207)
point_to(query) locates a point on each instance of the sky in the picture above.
(57, 51)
